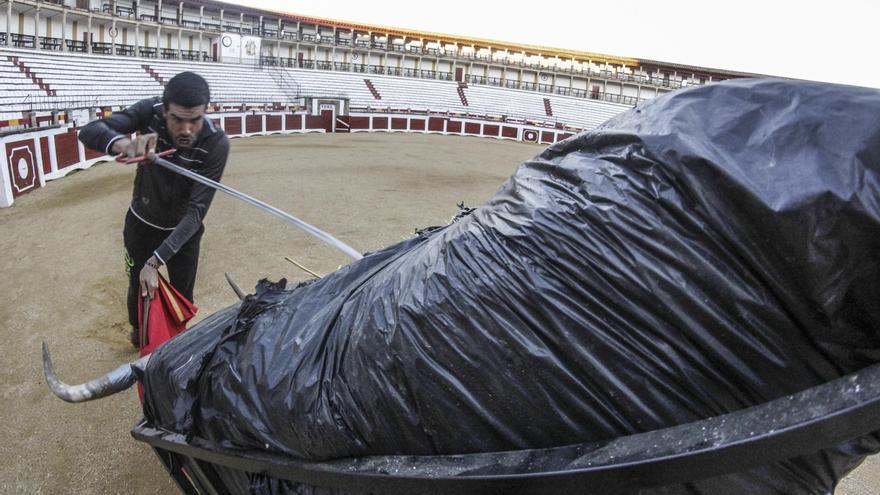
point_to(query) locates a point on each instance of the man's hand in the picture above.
(144, 144)
(149, 277)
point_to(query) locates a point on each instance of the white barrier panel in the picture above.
(29, 159)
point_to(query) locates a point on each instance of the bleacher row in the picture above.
(15, 87)
(111, 81)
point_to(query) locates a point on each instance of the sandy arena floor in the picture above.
(63, 282)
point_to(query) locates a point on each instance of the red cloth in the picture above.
(169, 312)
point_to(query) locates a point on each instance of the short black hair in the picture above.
(187, 89)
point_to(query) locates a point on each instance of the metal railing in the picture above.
(55, 103)
(291, 90)
(193, 55)
(44, 103)
(448, 76)
(660, 80)
(549, 88)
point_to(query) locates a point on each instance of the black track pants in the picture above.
(140, 241)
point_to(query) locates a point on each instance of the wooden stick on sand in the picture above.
(303, 268)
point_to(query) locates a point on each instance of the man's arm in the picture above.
(199, 202)
(112, 134)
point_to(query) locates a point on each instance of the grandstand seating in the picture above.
(114, 83)
(228, 82)
(15, 87)
(416, 94)
(584, 114)
(117, 81)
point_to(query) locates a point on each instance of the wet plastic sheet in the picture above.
(710, 250)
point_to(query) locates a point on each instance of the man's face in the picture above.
(184, 123)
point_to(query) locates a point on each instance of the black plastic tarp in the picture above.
(709, 250)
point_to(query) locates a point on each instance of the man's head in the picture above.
(185, 99)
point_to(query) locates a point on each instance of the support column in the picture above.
(437, 59)
(201, 28)
(296, 45)
(471, 61)
(63, 31)
(541, 59)
(89, 37)
(9, 23)
(179, 41)
(137, 37)
(113, 32)
(37, 28)
(369, 58)
(454, 64)
(313, 50)
(221, 20)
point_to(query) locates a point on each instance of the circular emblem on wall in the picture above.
(22, 167)
(227, 41)
(113, 31)
(543, 77)
(354, 56)
(530, 135)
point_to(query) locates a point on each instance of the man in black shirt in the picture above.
(164, 221)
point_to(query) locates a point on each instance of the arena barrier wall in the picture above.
(30, 159)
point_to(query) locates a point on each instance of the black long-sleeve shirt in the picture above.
(162, 198)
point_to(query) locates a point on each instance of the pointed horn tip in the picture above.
(238, 292)
(52, 381)
(48, 369)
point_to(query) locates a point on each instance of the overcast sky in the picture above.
(834, 41)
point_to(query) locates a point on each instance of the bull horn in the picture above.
(238, 292)
(115, 381)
